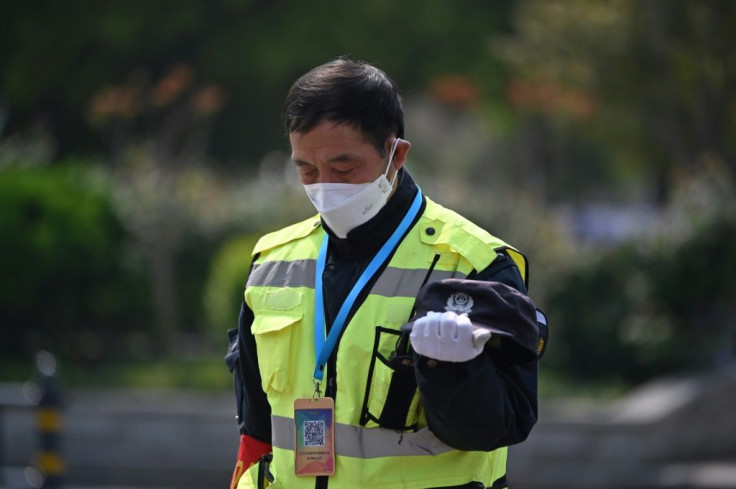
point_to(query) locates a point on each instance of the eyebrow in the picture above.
(340, 158)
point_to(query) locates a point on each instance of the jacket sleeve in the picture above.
(481, 404)
(253, 410)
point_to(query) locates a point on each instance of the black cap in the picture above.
(510, 315)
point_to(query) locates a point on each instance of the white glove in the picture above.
(448, 337)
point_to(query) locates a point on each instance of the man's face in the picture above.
(332, 153)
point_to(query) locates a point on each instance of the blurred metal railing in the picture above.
(41, 397)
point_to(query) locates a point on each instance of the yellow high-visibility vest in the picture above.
(280, 292)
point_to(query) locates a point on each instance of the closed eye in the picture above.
(342, 172)
(304, 168)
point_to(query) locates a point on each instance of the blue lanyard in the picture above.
(323, 347)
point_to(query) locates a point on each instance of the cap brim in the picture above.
(408, 327)
(504, 346)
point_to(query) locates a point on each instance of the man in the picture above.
(387, 342)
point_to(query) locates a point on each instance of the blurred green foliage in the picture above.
(55, 55)
(536, 108)
(223, 292)
(75, 279)
(644, 310)
(61, 248)
(205, 373)
(616, 95)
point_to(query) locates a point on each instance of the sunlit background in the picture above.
(142, 154)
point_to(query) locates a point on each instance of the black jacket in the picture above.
(475, 405)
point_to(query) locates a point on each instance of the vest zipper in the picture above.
(331, 390)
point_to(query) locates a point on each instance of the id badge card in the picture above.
(315, 436)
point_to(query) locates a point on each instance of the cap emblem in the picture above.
(459, 303)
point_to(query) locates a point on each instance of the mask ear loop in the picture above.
(390, 159)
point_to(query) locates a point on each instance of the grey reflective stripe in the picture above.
(402, 282)
(354, 441)
(295, 273)
(393, 282)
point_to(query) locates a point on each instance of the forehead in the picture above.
(327, 137)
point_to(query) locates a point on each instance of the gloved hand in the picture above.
(448, 337)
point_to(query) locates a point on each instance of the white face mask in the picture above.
(345, 206)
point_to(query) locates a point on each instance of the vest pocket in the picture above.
(391, 398)
(273, 334)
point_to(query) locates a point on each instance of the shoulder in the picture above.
(476, 244)
(287, 235)
(452, 226)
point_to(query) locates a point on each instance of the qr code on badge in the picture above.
(314, 433)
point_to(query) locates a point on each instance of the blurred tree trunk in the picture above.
(146, 199)
(157, 129)
(536, 156)
(163, 281)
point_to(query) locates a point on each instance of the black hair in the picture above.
(350, 92)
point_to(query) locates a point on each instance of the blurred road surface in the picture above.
(676, 434)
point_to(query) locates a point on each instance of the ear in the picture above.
(402, 150)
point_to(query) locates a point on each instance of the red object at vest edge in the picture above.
(250, 452)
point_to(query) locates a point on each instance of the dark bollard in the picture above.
(49, 421)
